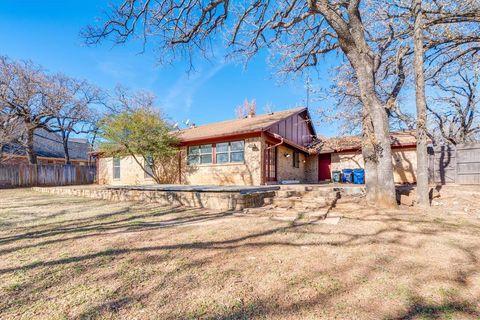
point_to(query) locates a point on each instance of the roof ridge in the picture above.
(247, 118)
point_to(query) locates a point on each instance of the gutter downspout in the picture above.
(275, 145)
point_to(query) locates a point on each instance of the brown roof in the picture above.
(326, 145)
(256, 123)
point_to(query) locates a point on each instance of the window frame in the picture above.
(214, 153)
(148, 167)
(200, 154)
(296, 159)
(230, 151)
(114, 166)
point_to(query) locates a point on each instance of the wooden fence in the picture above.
(25, 175)
(456, 164)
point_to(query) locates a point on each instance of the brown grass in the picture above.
(66, 257)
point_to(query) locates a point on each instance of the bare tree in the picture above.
(455, 113)
(299, 34)
(72, 102)
(247, 109)
(12, 130)
(421, 104)
(443, 32)
(23, 95)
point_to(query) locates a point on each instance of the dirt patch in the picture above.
(66, 257)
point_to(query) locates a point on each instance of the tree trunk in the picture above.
(422, 153)
(32, 157)
(385, 186)
(386, 195)
(353, 43)
(65, 148)
(67, 153)
(2, 146)
(370, 159)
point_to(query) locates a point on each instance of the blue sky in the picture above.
(47, 32)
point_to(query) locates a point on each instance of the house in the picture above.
(257, 150)
(346, 153)
(48, 147)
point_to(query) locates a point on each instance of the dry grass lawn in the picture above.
(75, 258)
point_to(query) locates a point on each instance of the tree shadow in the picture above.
(398, 232)
(424, 310)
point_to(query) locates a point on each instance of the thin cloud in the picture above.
(181, 94)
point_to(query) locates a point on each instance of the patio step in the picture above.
(299, 203)
(303, 187)
(310, 194)
(303, 198)
(288, 215)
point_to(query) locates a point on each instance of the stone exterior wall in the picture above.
(130, 172)
(251, 171)
(247, 173)
(404, 162)
(405, 165)
(285, 168)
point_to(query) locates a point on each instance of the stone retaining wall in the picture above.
(209, 200)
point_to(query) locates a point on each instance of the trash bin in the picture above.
(347, 175)
(358, 176)
(337, 176)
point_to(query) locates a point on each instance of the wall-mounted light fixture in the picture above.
(286, 155)
(253, 147)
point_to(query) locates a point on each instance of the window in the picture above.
(230, 152)
(296, 159)
(225, 152)
(116, 168)
(200, 154)
(148, 167)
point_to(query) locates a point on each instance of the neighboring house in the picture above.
(48, 147)
(259, 149)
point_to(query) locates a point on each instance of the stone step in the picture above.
(299, 216)
(302, 199)
(349, 189)
(300, 203)
(310, 194)
(301, 187)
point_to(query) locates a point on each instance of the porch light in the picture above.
(286, 155)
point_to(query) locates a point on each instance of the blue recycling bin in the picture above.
(347, 176)
(358, 176)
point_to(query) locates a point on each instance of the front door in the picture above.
(324, 162)
(270, 164)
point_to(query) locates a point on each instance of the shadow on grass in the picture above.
(396, 230)
(420, 309)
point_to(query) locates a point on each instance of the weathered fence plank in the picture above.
(468, 164)
(456, 164)
(25, 175)
(444, 162)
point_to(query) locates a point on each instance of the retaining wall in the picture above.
(210, 200)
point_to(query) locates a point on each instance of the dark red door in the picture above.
(324, 162)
